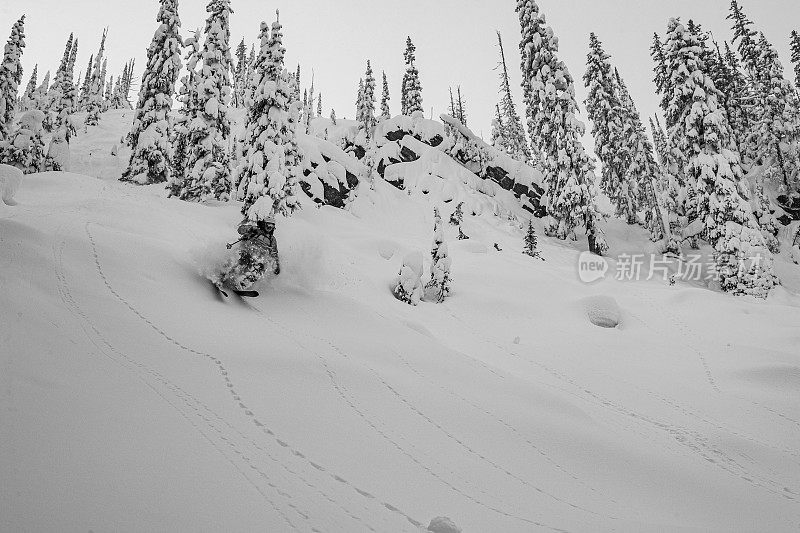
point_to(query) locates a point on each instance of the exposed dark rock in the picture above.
(408, 155)
(520, 190)
(507, 183)
(352, 181)
(497, 175)
(395, 135)
(331, 196)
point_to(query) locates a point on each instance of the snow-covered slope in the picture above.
(134, 398)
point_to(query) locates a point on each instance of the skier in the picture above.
(256, 248)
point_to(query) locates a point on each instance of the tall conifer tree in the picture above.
(151, 159)
(554, 126)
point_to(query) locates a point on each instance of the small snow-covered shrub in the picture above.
(409, 281)
(438, 287)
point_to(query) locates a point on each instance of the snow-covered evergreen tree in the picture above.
(103, 74)
(554, 126)
(94, 103)
(509, 133)
(311, 90)
(304, 110)
(367, 109)
(333, 117)
(26, 101)
(660, 140)
(531, 247)
(606, 111)
(25, 147)
(744, 36)
(117, 99)
(777, 124)
(795, 46)
(765, 217)
(113, 102)
(109, 96)
(385, 113)
(736, 97)
(126, 85)
(61, 103)
(411, 93)
(457, 217)
(150, 135)
(439, 285)
(460, 107)
(239, 75)
(40, 95)
(661, 79)
(187, 114)
(497, 138)
(72, 89)
(360, 101)
(11, 77)
(83, 96)
(643, 171)
(702, 152)
(297, 83)
(208, 162)
(53, 90)
(247, 77)
(270, 171)
(319, 105)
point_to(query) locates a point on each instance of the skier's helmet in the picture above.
(268, 223)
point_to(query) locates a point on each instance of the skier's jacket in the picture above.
(262, 235)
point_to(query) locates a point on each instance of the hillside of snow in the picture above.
(134, 397)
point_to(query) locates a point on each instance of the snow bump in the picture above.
(603, 311)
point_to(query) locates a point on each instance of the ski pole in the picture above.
(230, 244)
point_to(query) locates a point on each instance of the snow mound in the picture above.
(427, 131)
(10, 180)
(603, 311)
(442, 524)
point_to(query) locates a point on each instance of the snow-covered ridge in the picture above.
(406, 139)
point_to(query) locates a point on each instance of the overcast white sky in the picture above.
(455, 39)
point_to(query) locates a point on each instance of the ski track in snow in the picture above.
(689, 439)
(140, 370)
(406, 402)
(499, 420)
(344, 394)
(365, 495)
(688, 332)
(703, 418)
